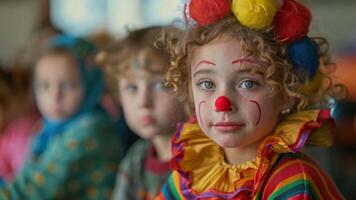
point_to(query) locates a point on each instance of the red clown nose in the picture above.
(222, 104)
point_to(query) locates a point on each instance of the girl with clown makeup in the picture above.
(254, 84)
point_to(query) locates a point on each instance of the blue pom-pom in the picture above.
(304, 56)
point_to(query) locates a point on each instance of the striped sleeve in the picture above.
(171, 189)
(299, 179)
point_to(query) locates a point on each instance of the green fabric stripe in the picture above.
(297, 187)
(167, 195)
(172, 187)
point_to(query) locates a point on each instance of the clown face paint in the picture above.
(223, 104)
(222, 68)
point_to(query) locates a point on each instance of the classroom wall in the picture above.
(333, 19)
(18, 19)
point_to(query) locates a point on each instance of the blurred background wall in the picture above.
(19, 19)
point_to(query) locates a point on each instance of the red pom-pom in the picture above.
(292, 21)
(222, 104)
(205, 12)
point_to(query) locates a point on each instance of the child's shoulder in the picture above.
(135, 156)
(92, 122)
(297, 174)
(138, 150)
(289, 164)
(93, 126)
(93, 119)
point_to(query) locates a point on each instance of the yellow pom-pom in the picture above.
(314, 84)
(256, 14)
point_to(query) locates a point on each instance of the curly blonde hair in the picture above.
(263, 45)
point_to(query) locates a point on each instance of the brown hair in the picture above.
(15, 93)
(263, 45)
(14, 83)
(118, 58)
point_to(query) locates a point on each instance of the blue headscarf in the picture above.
(92, 80)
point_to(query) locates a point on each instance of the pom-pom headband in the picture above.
(205, 12)
(290, 19)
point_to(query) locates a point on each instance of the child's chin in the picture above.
(148, 134)
(227, 142)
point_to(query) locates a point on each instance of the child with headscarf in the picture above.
(76, 152)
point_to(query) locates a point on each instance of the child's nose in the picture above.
(56, 93)
(145, 99)
(223, 104)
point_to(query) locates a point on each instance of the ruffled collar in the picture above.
(204, 172)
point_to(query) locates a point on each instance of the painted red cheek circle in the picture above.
(222, 103)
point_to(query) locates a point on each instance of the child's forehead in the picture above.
(140, 73)
(55, 57)
(235, 72)
(228, 48)
(148, 61)
(56, 65)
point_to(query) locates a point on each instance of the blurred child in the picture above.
(103, 39)
(76, 152)
(149, 110)
(252, 76)
(17, 118)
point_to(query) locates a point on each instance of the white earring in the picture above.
(286, 111)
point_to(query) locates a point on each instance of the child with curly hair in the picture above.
(138, 66)
(254, 85)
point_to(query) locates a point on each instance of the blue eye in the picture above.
(247, 84)
(43, 86)
(206, 85)
(132, 88)
(159, 86)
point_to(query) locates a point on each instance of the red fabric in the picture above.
(222, 104)
(299, 197)
(15, 141)
(154, 165)
(177, 152)
(206, 12)
(292, 21)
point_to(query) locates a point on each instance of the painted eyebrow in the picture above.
(246, 59)
(203, 71)
(204, 61)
